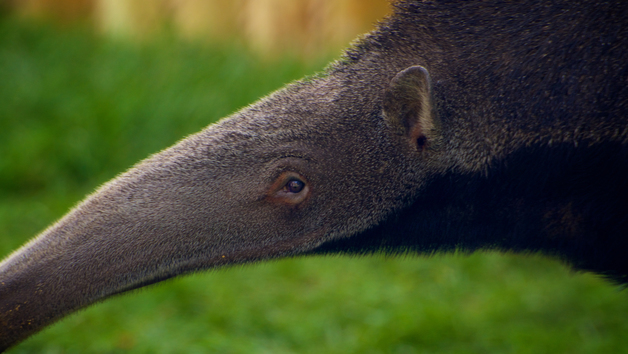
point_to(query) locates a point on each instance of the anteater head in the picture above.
(279, 178)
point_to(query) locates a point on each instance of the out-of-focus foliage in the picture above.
(76, 110)
(268, 27)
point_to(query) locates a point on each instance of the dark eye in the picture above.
(290, 189)
(294, 186)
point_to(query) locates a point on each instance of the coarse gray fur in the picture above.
(468, 124)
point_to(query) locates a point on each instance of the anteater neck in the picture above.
(563, 200)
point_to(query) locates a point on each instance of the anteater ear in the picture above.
(409, 108)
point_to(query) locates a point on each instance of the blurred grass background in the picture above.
(76, 109)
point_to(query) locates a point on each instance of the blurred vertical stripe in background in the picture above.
(268, 27)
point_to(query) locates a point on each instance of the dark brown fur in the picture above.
(471, 124)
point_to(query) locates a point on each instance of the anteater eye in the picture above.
(294, 186)
(289, 188)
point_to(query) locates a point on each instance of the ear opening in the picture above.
(409, 108)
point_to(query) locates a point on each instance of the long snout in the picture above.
(171, 214)
(118, 239)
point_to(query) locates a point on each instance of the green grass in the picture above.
(75, 110)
